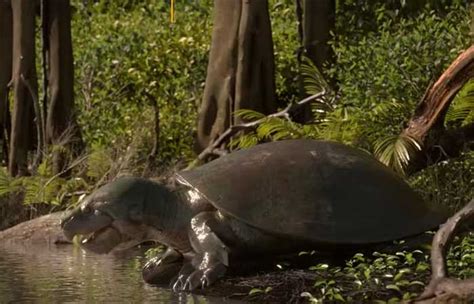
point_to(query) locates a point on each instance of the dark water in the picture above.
(70, 275)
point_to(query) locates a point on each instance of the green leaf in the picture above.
(255, 291)
(393, 287)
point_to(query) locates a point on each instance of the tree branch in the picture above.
(441, 288)
(439, 96)
(214, 148)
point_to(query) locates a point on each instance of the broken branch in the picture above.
(214, 148)
(439, 96)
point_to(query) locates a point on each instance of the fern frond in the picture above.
(8, 184)
(33, 189)
(98, 164)
(5, 180)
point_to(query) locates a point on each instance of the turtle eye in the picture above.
(86, 209)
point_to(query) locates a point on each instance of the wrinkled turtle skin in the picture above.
(270, 199)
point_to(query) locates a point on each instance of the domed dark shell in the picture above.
(319, 191)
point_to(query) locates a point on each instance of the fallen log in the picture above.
(44, 230)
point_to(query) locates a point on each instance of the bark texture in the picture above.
(316, 21)
(44, 230)
(61, 126)
(240, 72)
(6, 49)
(24, 85)
(439, 96)
(319, 19)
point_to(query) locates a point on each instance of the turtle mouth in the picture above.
(93, 230)
(101, 241)
(109, 239)
(100, 233)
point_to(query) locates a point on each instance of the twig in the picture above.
(214, 146)
(441, 288)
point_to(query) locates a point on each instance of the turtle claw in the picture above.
(178, 285)
(205, 281)
(195, 280)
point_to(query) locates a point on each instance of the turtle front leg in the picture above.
(211, 259)
(162, 269)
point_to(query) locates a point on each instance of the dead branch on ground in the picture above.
(441, 288)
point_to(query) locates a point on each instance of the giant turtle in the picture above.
(270, 199)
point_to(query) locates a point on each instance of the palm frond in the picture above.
(247, 114)
(244, 141)
(461, 110)
(396, 151)
(313, 79)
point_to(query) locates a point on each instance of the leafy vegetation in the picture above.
(449, 183)
(380, 82)
(394, 277)
(128, 56)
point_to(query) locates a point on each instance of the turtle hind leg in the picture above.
(162, 269)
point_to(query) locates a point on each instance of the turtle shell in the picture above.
(319, 191)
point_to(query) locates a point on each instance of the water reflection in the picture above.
(70, 275)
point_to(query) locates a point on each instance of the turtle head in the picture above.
(114, 216)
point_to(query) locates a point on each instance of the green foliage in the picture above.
(448, 183)
(286, 44)
(396, 151)
(461, 111)
(42, 189)
(386, 72)
(99, 164)
(382, 73)
(385, 277)
(127, 55)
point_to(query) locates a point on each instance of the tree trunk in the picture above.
(316, 23)
(61, 125)
(439, 96)
(319, 19)
(240, 72)
(24, 85)
(6, 36)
